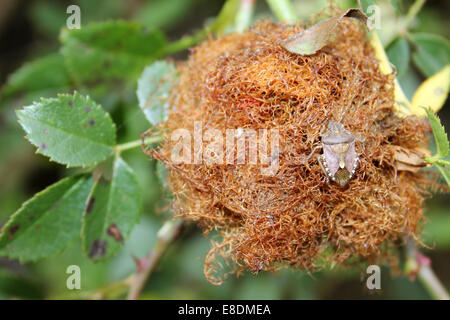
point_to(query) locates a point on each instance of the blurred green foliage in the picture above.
(44, 72)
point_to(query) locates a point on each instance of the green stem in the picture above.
(135, 144)
(432, 283)
(436, 159)
(184, 43)
(413, 11)
(166, 235)
(284, 10)
(418, 265)
(244, 15)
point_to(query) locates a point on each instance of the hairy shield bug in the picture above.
(339, 159)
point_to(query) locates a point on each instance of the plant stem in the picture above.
(135, 144)
(244, 15)
(432, 283)
(284, 10)
(166, 235)
(184, 43)
(413, 11)
(418, 265)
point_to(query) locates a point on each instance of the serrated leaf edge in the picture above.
(20, 113)
(82, 179)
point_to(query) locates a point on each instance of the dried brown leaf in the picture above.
(311, 40)
(410, 159)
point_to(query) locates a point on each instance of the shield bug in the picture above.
(339, 159)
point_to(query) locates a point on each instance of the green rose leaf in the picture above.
(47, 223)
(70, 129)
(398, 54)
(42, 77)
(40, 74)
(440, 135)
(109, 50)
(442, 145)
(154, 88)
(112, 211)
(431, 54)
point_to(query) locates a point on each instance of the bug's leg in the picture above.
(305, 161)
(316, 147)
(312, 152)
(324, 168)
(355, 165)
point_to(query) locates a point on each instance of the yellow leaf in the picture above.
(432, 93)
(402, 106)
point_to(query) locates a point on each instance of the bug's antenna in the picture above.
(345, 111)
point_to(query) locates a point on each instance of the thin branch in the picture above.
(184, 43)
(244, 15)
(284, 10)
(418, 265)
(146, 265)
(432, 283)
(413, 11)
(137, 143)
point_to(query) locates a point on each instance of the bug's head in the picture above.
(336, 133)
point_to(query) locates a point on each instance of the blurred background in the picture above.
(30, 29)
